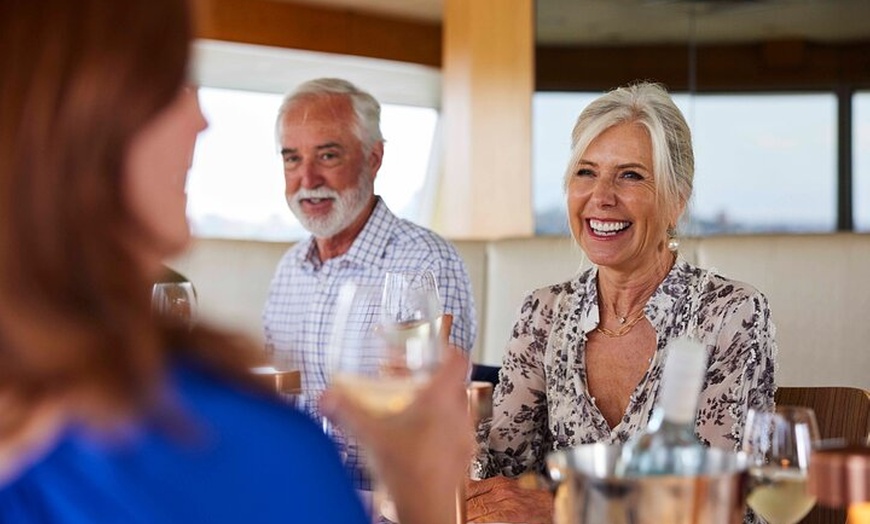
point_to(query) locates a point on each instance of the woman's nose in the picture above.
(604, 192)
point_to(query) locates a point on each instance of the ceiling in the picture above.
(614, 22)
(560, 22)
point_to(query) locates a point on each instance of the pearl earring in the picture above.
(673, 242)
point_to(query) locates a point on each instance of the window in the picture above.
(236, 187)
(553, 117)
(861, 165)
(763, 162)
(236, 184)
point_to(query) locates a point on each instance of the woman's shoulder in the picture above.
(216, 454)
(576, 285)
(716, 286)
(220, 403)
(545, 303)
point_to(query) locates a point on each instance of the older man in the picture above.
(331, 144)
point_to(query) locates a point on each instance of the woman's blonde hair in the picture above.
(649, 105)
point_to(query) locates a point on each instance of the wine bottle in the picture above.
(668, 445)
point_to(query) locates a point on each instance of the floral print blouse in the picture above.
(542, 403)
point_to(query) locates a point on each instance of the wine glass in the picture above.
(383, 358)
(175, 300)
(778, 445)
(410, 297)
(380, 359)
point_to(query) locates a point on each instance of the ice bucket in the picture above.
(590, 493)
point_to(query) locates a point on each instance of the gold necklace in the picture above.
(626, 326)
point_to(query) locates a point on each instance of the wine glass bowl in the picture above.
(383, 357)
(175, 300)
(778, 445)
(411, 298)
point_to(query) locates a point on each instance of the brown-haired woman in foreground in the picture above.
(106, 413)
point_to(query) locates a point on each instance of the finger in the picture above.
(451, 374)
(476, 488)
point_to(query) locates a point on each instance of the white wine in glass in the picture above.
(378, 357)
(778, 445)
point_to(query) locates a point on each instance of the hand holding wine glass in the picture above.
(778, 445)
(422, 448)
(384, 348)
(383, 357)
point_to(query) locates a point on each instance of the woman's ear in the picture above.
(677, 212)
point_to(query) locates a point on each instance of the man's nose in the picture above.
(309, 174)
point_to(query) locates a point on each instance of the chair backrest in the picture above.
(842, 413)
(484, 373)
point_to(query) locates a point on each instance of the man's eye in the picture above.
(291, 159)
(329, 158)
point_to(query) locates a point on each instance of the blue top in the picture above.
(239, 457)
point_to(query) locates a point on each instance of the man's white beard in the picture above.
(346, 207)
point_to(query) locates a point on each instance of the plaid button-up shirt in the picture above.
(304, 291)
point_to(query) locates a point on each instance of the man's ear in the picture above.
(376, 156)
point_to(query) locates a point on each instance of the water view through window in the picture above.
(763, 162)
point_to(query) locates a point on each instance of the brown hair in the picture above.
(78, 80)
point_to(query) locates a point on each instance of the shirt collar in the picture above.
(367, 248)
(665, 298)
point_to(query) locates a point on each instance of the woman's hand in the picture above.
(421, 454)
(502, 499)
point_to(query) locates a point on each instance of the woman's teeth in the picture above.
(607, 228)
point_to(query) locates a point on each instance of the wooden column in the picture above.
(488, 80)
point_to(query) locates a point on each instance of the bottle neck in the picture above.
(661, 422)
(677, 432)
(682, 379)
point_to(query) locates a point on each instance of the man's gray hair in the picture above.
(367, 127)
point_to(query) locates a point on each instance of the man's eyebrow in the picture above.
(328, 145)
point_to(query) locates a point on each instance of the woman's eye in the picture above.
(584, 172)
(632, 175)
